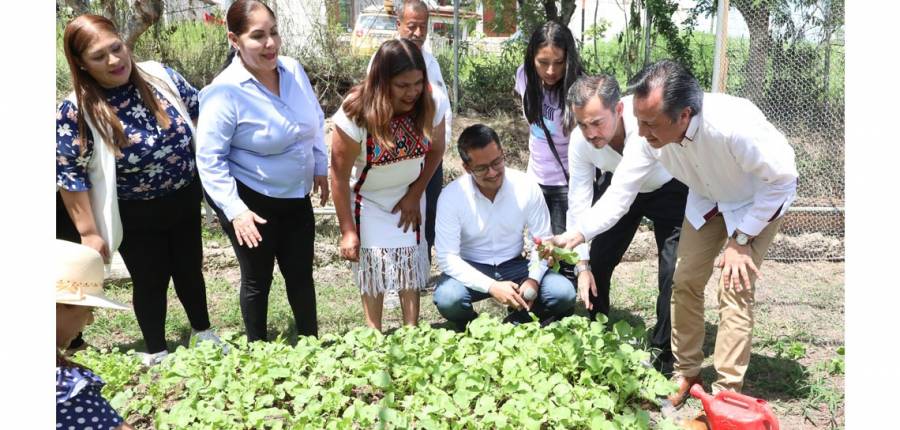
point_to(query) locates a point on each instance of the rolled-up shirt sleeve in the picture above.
(215, 129)
(538, 224)
(447, 232)
(766, 155)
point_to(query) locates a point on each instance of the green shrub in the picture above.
(571, 374)
(63, 74)
(487, 81)
(194, 49)
(331, 66)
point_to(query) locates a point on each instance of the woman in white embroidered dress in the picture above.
(387, 142)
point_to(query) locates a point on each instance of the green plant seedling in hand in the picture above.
(555, 254)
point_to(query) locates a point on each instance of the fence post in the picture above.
(720, 60)
(455, 56)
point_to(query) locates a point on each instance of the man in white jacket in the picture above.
(606, 126)
(742, 177)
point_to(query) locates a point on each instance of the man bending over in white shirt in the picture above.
(481, 217)
(606, 126)
(742, 178)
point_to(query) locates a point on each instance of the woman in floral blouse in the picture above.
(126, 172)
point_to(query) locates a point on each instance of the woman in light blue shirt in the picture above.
(260, 153)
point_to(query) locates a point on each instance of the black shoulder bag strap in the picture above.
(554, 150)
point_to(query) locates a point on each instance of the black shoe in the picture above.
(517, 317)
(663, 362)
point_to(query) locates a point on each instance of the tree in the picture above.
(764, 19)
(756, 14)
(133, 17)
(562, 15)
(659, 24)
(531, 14)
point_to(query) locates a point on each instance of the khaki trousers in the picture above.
(697, 251)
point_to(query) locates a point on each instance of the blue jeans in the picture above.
(556, 295)
(557, 198)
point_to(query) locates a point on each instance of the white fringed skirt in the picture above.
(389, 258)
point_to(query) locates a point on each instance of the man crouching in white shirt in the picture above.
(742, 177)
(481, 217)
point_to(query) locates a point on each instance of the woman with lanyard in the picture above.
(125, 171)
(261, 151)
(387, 142)
(551, 66)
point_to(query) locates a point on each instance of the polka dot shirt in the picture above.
(79, 404)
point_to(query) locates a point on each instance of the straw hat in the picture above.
(79, 276)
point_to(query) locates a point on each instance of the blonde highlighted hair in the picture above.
(368, 104)
(80, 33)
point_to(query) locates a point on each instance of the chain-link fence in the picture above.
(794, 71)
(789, 61)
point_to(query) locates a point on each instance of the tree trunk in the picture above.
(551, 11)
(568, 9)
(756, 15)
(143, 14)
(79, 7)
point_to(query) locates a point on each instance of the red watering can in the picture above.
(733, 411)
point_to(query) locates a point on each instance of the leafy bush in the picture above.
(328, 61)
(486, 81)
(194, 49)
(63, 74)
(571, 374)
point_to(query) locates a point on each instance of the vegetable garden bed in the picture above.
(570, 374)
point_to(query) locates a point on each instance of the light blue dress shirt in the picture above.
(272, 144)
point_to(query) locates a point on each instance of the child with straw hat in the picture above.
(79, 289)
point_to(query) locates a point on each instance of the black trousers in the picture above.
(432, 192)
(288, 235)
(161, 241)
(65, 230)
(665, 207)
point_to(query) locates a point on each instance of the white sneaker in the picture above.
(210, 336)
(149, 360)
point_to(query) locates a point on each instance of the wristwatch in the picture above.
(741, 238)
(582, 267)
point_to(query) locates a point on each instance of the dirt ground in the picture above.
(798, 305)
(799, 312)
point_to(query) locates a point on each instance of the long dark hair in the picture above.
(78, 36)
(369, 103)
(237, 21)
(550, 34)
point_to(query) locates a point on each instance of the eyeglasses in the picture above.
(482, 169)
